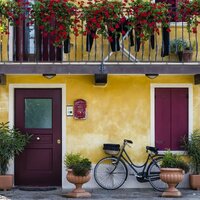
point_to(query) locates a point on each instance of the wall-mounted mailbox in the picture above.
(80, 109)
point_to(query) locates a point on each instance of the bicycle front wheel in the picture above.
(154, 175)
(110, 174)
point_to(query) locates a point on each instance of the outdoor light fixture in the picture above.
(151, 76)
(49, 76)
(2, 79)
(101, 79)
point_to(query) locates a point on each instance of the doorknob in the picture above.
(58, 141)
(37, 138)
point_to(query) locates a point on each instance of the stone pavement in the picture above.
(120, 194)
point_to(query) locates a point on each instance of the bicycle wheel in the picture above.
(154, 175)
(110, 175)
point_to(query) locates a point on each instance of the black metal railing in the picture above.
(34, 48)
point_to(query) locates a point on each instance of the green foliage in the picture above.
(192, 146)
(10, 11)
(81, 168)
(78, 164)
(71, 160)
(171, 160)
(12, 142)
(179, 45)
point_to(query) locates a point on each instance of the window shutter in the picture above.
(171, 117)
(162, 118)
(179, 117)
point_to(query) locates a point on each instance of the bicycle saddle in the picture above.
(152, 149)
(128, 141)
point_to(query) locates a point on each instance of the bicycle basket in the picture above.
(111, 149)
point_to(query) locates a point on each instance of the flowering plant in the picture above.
(189, 11)
(10, 12)
(57, 17)
(145, 17)
(102, 16)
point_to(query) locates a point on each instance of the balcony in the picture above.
(26, 51)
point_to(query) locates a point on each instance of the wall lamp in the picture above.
(2, 79)
(151, 76)
(49, 76)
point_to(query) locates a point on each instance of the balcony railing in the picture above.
(158, 49)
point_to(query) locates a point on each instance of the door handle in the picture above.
(37, 138)
(58, 141)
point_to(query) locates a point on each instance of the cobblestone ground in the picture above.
(123, 194)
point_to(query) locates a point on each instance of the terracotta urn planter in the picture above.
(171, 176)
(6, 182)
(194, 181)
(78, 181)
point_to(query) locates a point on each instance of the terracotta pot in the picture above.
(187, 55)
(78, 181)
(171, 176)
(6, 182)
(194, 181)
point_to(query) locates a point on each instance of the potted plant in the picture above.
(182, 48)
(172, 172)
(192, 146)
(103, 18)
(57, 18)
(12, 142)
(78, 173)
(146, 18)
(189, 12)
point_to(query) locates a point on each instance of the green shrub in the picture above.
(79, 164)
(192, 146)
(179, 45)
(12, 142)
(171, 160)
(71, 160)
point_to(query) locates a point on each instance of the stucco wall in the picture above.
(119, 110)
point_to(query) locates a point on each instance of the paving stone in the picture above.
(120, 194)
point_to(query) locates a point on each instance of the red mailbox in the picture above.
(80, 109)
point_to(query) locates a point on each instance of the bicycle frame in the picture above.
(142, 174)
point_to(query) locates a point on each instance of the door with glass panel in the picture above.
(38, 112)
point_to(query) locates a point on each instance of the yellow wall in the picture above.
(119, 110)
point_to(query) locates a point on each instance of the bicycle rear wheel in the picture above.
(109, 174)
(154, 175)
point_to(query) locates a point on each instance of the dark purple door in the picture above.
(171, 117)
(38, 112)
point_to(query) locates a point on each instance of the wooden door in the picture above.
(38, 112)
(171, 117)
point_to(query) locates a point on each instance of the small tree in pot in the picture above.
(172, 172)
(182, 48)
(12, 142)
(192, 146)
(78, 168)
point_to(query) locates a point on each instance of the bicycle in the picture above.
(111, 172)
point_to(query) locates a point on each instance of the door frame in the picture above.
(11, 113)
(153, 86)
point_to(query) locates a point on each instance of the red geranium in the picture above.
(57, 17)
(10, 12)
(189, 11)
(146, 17)
(102, 16)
